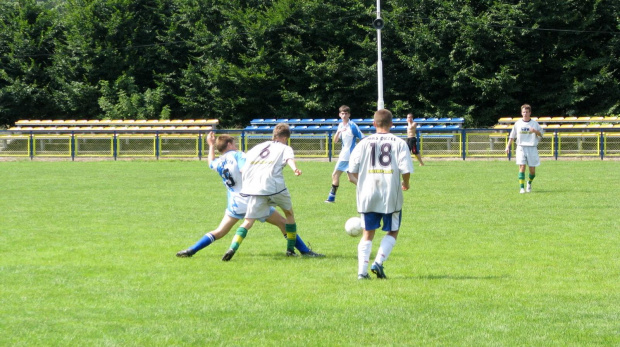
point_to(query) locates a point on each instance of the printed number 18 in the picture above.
(385, 154)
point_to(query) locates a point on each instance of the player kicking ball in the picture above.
(378, 162)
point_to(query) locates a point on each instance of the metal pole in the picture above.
(380, 103)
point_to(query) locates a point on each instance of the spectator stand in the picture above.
(436, 132)
(583, 136)
(107, 138)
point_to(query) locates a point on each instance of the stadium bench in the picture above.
(107, 125)
(455, 123)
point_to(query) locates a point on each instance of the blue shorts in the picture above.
(242, 216)
(342, 166)
(372, 221)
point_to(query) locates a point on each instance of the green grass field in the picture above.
(87, 259)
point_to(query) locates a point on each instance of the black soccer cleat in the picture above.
(312, 254)
(363, 277)
(186, 253)
(378, 270)
(291, 253)
(228, 255)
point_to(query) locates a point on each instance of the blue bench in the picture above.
(449, 123)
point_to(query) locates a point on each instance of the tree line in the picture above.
(236, 60)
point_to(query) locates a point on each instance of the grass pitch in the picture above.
(87, 259)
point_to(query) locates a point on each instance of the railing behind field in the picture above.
(307, 143)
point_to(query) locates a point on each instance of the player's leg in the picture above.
(240, 235)
(225, 225)
(278, 220)
(257, 208)
(531, 177)
(391, 224)
(419, 157)
(533, 161)
(291, 231)
(283, 200)
(370, 222)
(413, 146)
(521, 160)
(341, 166)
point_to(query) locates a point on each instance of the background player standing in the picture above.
(412, 139)
(526, 132)
(348, 131)
(378, 162)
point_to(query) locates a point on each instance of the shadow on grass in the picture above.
(456, 277)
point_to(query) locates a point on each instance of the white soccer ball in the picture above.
(353, 226)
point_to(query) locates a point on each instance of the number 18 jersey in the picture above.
(380, 160)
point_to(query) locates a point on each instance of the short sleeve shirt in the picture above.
(262, 173)
(348, 134)
(521, 132)
(380, 160)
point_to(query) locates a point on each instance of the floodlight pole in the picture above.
(378, 24)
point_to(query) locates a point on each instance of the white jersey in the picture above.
(262, 173)
(380, 160)
(521, 132)
(228, 166)
(348, 134)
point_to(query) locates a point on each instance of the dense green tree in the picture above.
(27, 35)
(241, 59)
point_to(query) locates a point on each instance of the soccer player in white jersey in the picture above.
(526, 132)
(378, 162)
(348, 132)
(263, 184)
(228, 167)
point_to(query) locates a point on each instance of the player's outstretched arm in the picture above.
(211, 142)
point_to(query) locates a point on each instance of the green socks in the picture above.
(291, 236)
(239, 236)
(522, 179)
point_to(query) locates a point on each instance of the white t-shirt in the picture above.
(380, 160)
(262, 173)
(348, 134)
(521, 132)
(228, 167)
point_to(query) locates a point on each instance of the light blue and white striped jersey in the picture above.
(348, 134)
(228, 166)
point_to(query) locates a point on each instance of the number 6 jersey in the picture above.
(380, 160)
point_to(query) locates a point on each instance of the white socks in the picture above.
(363, 256)
(387, 244)
(364, 248)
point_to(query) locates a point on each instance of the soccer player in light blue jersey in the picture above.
(526, 133)
(348, 132)
(378, 162)
(228, 167)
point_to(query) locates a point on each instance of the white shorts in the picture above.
(527, 155)
(258, 205)
(242, 216)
